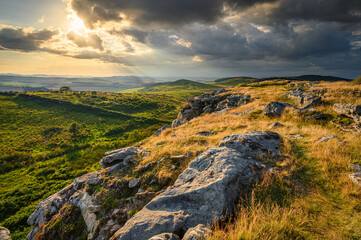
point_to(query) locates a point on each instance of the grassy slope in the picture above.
(45, 143)
(308, 195)
(233, 81)
(179, 85)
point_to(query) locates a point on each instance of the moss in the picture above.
(68, 224)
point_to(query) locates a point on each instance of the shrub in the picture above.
(357, 81)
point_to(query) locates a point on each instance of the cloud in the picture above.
(166, 13)
(24, 40)
(41, 20)
(105, 57)
(92, 40)
(339, 11)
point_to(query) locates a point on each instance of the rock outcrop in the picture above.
(210, 102)
(4, 234)
(303, 98)
(89, 195)
(207, 190)
(356, 177)
(275, 108)
(121, 155)
(160, 130)
(350, 110)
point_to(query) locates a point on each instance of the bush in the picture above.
(357, 81)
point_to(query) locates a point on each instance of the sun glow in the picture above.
(76, 24)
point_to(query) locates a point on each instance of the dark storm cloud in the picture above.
(18, 39)
(166, 13)
(92, 40)
(341, 11)
(180, 12)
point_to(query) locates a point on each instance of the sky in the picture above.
(181, 38)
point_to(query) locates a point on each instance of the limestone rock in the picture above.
(326, 138)
(207, 190)
(4, 234)
(253, 144)
(319, 116)
(159, 131)
(165, 236)
(295, 136)
(208, 103)
(303, 98)
(119, 155)
(246, 112)
(204, 133)
(347, 109)
(178, 158)
(134, 182)
(275, 108)
(350, 110)
(275, 125)
(356, 177)
(200, 232)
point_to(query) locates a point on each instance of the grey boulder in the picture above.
(200, 232)
(119, 155)
(207, 190)
(159, 131)
(303, 98)
(275, 108)
(165, 236)
(4, 234)
(350, 110)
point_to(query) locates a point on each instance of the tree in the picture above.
(65, 89)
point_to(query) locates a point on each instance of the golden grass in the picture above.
(308, 196)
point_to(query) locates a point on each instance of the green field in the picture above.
(47, 139)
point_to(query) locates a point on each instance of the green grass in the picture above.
(179, 85)
(233, 81)
(357, 81)
(49, 138)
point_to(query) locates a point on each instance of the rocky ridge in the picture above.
(207, 190)
(217, 101)
(212, 181)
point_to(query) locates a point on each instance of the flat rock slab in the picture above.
(295, 136)
(207, 190)
(326, 138)
(356, 177)
(275, 125)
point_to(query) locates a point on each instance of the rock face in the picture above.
(303, 98)
(165, 236)
(207, 190)
(4, 234)
(199, 232)
(275, 108)
(99, 222)
(120, 155)
(350, 110)
(326, 138)
(356, 177)
(159, 131)
(208, 103)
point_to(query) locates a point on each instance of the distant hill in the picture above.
(179, 85)
(307, 78)
(320, 78)
(234, 81)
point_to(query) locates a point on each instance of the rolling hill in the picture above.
(181, 84)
